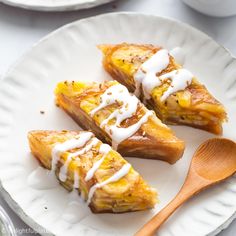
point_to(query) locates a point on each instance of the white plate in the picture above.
(70, 53)
(55, 5)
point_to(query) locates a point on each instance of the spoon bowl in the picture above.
(215, 159)
(213, 162)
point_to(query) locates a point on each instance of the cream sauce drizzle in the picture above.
(118, 175)
(129, 104)
(146, 74)
(180, 79)
(104, 149)
(64, 168)
(69, 145)
(147, 79)
(119, 134)
(87, 141)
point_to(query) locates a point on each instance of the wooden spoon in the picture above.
(214, 161)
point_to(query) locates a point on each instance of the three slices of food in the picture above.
(105, 180)
(100, 174)
(172, 91)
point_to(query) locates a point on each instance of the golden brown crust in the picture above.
(122, 61)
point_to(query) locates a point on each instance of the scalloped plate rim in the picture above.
(7, 197)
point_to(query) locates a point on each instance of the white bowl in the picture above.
(219, 8)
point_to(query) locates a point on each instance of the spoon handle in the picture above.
(189, 189)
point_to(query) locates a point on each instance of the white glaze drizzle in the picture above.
(89, 141)
(129, 104)
(119, 134)
(94, 141)
(64, 168)
(83, 139)
(69, 145)
(180, 79)
(104, 149)
(147, 75)
(117, 176)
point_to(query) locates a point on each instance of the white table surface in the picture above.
(20, 29)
